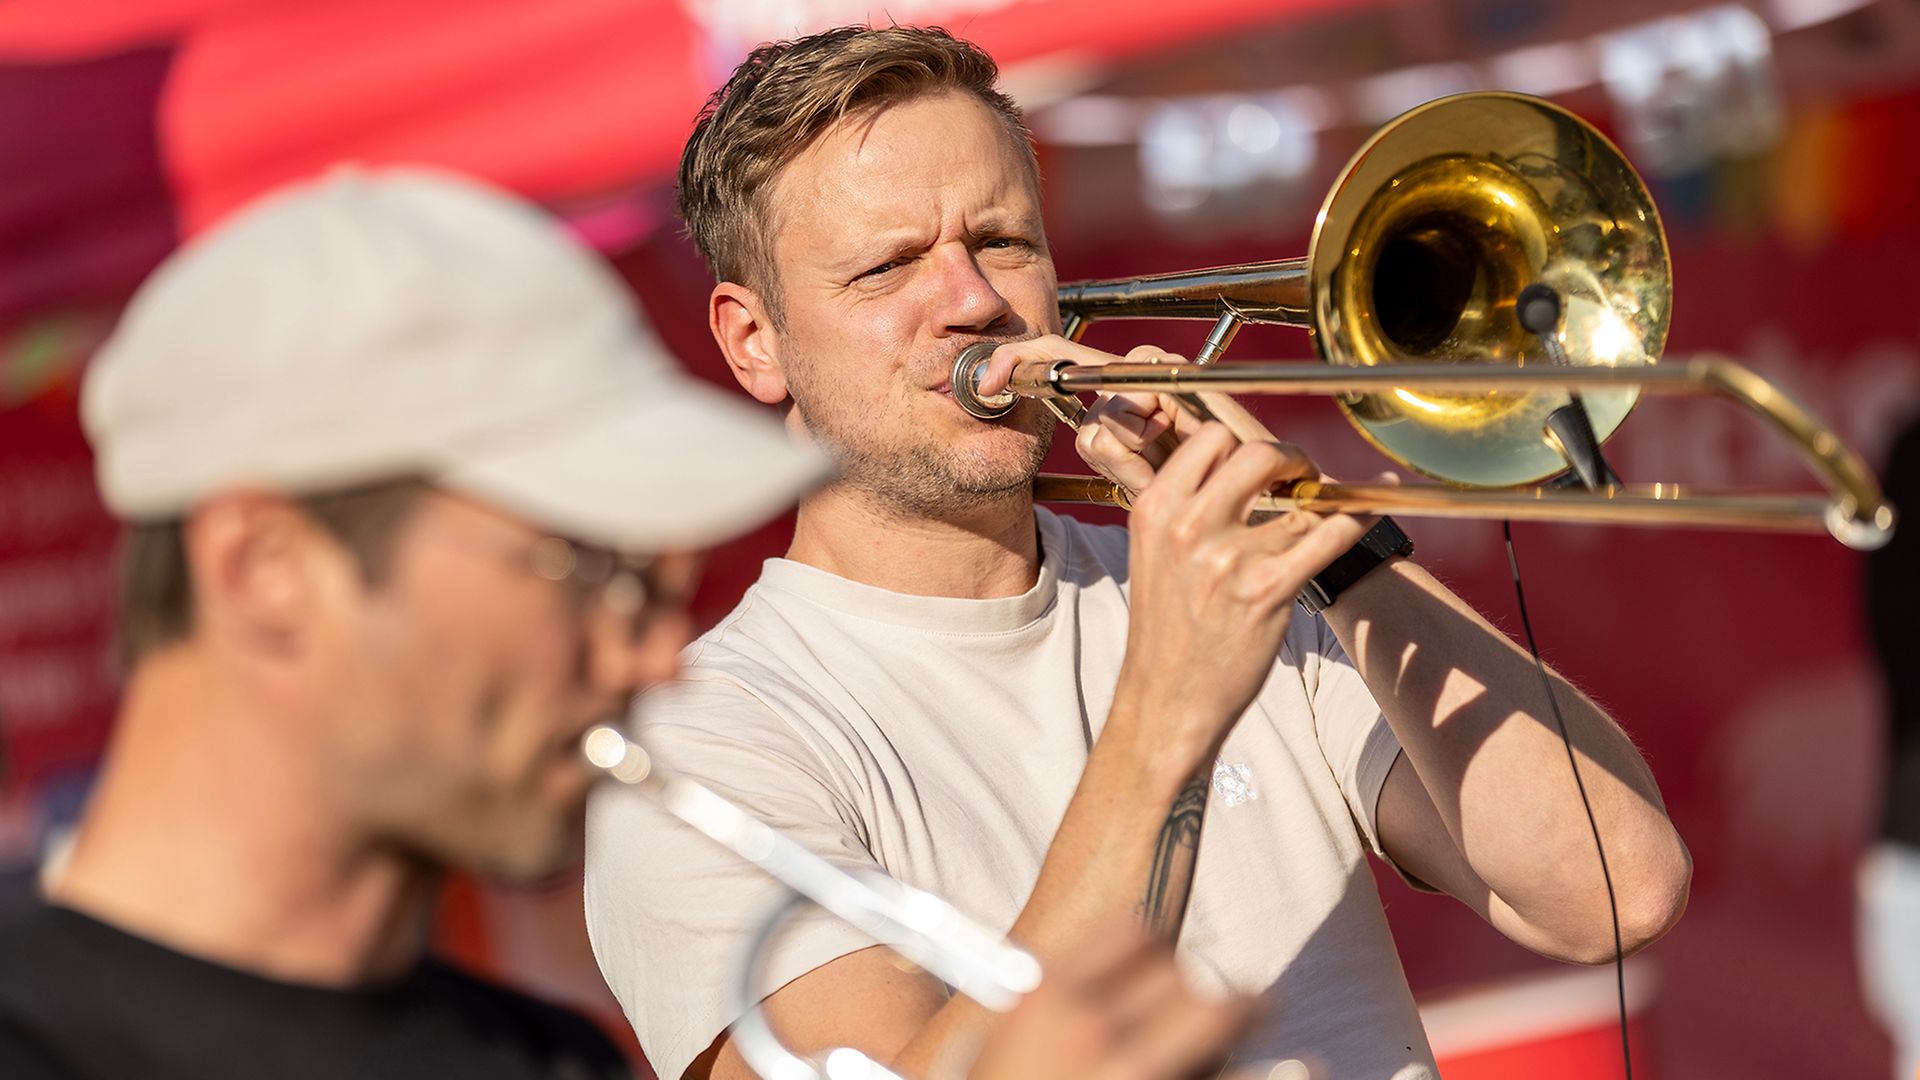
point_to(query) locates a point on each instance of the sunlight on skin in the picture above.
(1458, 690)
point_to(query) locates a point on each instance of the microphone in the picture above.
(1568, 427)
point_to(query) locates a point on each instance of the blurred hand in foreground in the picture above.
(1117, 1009)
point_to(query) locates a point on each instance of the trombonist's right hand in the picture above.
(1211, 593)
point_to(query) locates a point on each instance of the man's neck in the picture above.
(991, 550)
(206, 834)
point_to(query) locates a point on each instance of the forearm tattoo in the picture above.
(1170, 876)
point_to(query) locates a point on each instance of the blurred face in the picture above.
(900, 238)
(466, 679)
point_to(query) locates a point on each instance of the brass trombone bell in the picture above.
(1409, 289)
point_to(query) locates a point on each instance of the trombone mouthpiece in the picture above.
(968, 368)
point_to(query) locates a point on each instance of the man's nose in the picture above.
(969, 301)
(626, 663)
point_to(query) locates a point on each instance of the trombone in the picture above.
(1488, 289)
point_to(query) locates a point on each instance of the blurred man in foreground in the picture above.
(412, 496)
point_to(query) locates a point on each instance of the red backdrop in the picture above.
(1735, 660)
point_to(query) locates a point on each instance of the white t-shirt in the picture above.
(940, 739)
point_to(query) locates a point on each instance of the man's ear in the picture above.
(748, 340)
(257, 578)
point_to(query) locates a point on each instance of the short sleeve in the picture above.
(1354, 735)
(670, 913)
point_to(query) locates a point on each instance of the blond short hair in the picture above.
(782, 98)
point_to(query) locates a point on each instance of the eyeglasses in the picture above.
(620, 581)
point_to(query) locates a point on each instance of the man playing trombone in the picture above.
(1048, 722)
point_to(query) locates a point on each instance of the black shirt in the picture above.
(79, 998)
(1893, 612)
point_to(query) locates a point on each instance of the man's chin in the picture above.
(539, 862)
(1003, 464)
(541, 878)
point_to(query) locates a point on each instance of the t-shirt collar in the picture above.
(944, 614)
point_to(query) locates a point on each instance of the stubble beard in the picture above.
(922, 478)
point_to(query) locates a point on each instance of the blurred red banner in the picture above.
(557, 99)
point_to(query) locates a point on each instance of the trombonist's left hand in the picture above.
(1121, 438)
(1124, 435)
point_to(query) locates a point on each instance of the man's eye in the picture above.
(890, 264)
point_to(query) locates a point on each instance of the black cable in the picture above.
(1613, 905)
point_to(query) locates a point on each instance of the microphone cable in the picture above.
(1613, 905)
